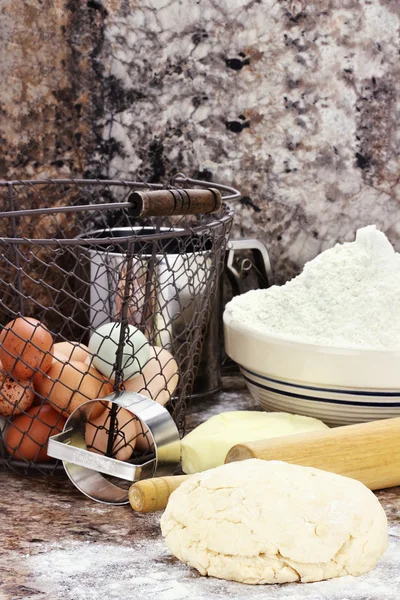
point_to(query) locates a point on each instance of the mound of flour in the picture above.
(347, 296)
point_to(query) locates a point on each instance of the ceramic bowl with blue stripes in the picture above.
(340, 386)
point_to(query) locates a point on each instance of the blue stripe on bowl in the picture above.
(326, 390)
(317, 399)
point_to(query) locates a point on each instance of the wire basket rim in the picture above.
(179, 178)
(198, 229)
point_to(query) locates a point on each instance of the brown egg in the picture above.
(68, 385)
(25, 346)
(97, 431)
(159, 377)
(27, 435)
(15, 396)
(56, 356)
(72, 350)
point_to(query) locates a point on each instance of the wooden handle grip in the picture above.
(151, 495)
(160, 203)
(369, 452)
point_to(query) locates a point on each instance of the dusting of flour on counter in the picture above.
(89, 571)
(347, 296)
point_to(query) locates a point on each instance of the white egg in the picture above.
(104, 345)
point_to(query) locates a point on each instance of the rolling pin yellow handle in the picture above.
(369, 452)
(151, 495)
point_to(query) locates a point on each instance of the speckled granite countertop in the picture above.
(56, 544)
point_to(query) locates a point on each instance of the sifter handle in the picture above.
(369, 452)
(151, 495)
(177, 201)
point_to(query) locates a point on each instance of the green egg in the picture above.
(104, 345)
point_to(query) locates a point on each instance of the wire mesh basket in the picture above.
(95, 299)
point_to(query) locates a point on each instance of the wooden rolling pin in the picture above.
(151, 495)
(369, 452)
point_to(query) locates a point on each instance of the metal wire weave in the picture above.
(73, 258)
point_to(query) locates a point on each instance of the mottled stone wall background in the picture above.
(295, 103)
(51, 91)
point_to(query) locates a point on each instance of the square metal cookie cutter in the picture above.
(85, 468)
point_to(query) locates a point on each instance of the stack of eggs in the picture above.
(42, 383)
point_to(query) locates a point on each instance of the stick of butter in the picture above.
(207, 446)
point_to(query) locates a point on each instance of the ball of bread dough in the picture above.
(259, 521)
(206, 446)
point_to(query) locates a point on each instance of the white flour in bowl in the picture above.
(347, 296)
